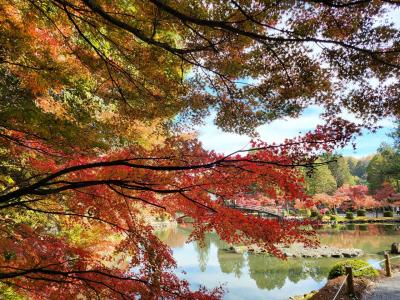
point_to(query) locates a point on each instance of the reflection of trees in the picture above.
(202, 249)
(350, 227)
(173, 237)
(318, 269)
(230, 262)
(270, 273)
(371, 238)
(220, 244)
(390, 228)
(296, 272)
(266, 272)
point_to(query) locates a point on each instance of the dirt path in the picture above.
(386, 289)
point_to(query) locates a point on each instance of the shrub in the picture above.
(305, 212)
(388, 213)
(340, 269)
(314, 214)
(361, 213)
(349, 215)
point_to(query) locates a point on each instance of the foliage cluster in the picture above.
(361, 213)
(388, 214)
(97, 103)
(360, 269)
(349, 215)
(384, 167)
(374, 171)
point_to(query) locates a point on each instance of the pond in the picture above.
(252, 276)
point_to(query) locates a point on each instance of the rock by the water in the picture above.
(299, 250)
(395, 248)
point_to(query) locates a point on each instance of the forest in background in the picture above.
(373, 170)
(349, 183)
(344, 182)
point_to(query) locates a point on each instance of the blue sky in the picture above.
(214, 138)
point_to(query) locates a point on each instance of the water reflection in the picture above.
(252, 276)
(373, 239)
(203, 251)
(231, 262)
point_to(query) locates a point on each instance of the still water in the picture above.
(252, 276)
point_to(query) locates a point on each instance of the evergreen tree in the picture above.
(320, 181)
(384, 167)
(375, 172)
(352, 163)
(395, 135)
(341, 172)
(391, 166)
(361, 169)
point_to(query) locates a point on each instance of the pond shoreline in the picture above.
(364, 287)
(368, 221)
(261, 276)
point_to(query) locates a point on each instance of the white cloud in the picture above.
(214, 138)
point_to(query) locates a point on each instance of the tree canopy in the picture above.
(321, 181)
(384, 167)
(96, 99)
(251, 61)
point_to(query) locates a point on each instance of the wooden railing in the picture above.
(349, 281)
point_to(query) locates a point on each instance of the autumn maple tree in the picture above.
(96, 98)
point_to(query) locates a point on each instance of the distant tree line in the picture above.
(373, 170)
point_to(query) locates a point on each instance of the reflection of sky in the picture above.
(215, 139)
(263, 277)
(237, 288)
(377, 264)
